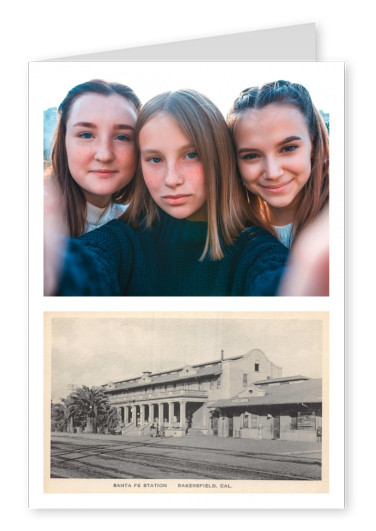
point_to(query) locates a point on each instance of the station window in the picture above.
(306, 420)
(253, 421)
(245, 421)
(219, 383)
(245, 379)
(211, 384)
(257, 367)
(303, 420)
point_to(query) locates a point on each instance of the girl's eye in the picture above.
(155, 160)
(191, 155)
(86, 136)
(250, 156)
(290, 148)
(123, 138)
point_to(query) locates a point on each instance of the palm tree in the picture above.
(110, 419)
(58, 417)
(87, 404)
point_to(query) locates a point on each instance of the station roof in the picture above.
(309, 391)
(282, 379)
(198, 371)
(195, 371)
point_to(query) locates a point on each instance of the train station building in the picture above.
(244, 396)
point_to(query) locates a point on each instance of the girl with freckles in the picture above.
(94, 156)
(187, 229)
(282, 151)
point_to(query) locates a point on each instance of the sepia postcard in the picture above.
(186, 402)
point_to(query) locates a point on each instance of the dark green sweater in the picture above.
(164, 260)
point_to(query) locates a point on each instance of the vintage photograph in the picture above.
(159, 181)
(186, 402)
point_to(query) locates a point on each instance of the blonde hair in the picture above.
(204, 125)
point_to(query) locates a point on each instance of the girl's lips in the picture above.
(104, 173)
(178, 199)
(276, 189)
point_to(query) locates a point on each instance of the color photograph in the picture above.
(166, 182)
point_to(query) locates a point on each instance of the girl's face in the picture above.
(172, 169)
(100, 145)
(273, 150)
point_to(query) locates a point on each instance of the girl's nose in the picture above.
(273, 168)
(104, 151)
(173, 176)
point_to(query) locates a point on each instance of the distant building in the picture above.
(243, 396)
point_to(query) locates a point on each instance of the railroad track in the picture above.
(127, 460)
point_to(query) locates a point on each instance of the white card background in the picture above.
(39, 30)
(49, 81)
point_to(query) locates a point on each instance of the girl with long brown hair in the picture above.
(282, 150)
(94, 156)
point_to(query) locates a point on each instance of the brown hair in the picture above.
(73, 196)
(315, 193)
(206, 128)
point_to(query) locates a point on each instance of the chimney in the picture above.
(222, 355)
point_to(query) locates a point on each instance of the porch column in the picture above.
(170, 414)
(151, 413)
(134, 416)
(160, 415)
(182, 414)
(126, 414)
(142, 415)
(205, 417)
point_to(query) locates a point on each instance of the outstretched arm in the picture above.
(308, 271)
(98, 263)
(55, 236)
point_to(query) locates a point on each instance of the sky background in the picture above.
(95, 350)
(220, 81)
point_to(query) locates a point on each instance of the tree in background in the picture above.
(109, 421)
(59, 420)
(86, 406)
